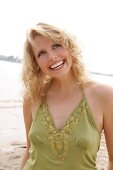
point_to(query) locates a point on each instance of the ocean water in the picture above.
(10, 84)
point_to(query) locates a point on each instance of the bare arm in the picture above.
(108, 124)
(27, 114)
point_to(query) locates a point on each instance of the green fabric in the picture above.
(83, 141)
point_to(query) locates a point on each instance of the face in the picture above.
(53, 58)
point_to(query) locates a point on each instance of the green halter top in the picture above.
(74, 147)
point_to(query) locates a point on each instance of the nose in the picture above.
(52, 55)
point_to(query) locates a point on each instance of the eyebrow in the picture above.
(41, 50)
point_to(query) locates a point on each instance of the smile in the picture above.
(57, 65)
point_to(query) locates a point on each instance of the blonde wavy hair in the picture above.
(34, 80)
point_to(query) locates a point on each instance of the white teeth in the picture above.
(57, 64)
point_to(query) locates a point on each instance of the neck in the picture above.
(63, 85)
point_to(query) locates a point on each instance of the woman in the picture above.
(64, 112)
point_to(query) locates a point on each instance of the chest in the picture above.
(61, 111)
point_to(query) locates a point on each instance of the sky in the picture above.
(91, 21)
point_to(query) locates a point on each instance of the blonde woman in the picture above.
(64, 112)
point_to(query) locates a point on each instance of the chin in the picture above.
(61, 75)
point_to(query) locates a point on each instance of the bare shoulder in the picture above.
(27, 105)
(30, 107)
(27, 113)
(100, 89)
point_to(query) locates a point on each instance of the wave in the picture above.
(103, 74)
(4, 104)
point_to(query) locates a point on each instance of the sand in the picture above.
(12, 138)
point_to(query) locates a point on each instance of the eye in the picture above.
(56, 46)
(41, 53)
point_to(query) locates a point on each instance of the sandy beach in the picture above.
(12, 135)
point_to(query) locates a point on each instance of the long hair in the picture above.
(34, 80)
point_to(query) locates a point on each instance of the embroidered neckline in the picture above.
(70, 115)
(58, 139)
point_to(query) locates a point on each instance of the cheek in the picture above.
(70, 61)
(42, 63)
(68, 57)
(65, 52)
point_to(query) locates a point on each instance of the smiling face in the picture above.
(53, 58)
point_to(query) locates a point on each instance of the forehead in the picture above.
(42, 42)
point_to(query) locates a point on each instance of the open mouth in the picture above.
(57, 65)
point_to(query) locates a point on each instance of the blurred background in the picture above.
(91, 21)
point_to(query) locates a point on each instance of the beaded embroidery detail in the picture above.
(59, 138)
